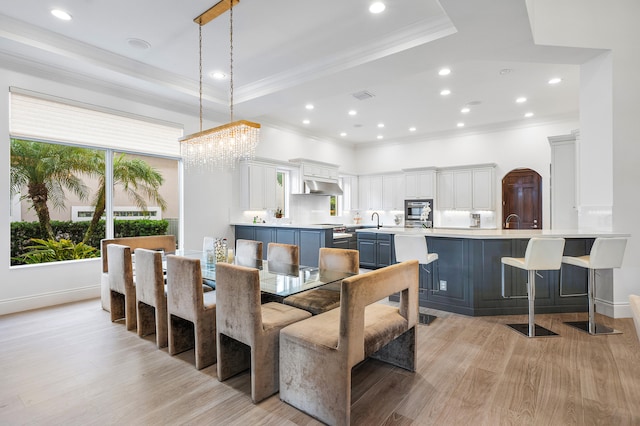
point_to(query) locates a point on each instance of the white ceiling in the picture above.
(288, 53)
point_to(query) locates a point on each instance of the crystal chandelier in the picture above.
(222, 146)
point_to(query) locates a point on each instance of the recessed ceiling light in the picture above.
(309, 106)
(306, 121)
(460, 124)
(555, 80)
(377, 7)
(380, 125)
(445, 92)
(138, 43)
(217, 75)
(61, 14)
(380, 136)
(465, 110)
(412, 129)
(505, 71)
(343, 134)
(353, 112)
(444, 71)
(528, 114)
(521, 99)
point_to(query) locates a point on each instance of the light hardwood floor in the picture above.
(69, 365)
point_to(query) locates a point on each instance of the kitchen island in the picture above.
(467, 278)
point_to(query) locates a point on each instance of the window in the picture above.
(64, 155)
(282, 191)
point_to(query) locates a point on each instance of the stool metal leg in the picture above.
(531, 329)
(591, 326)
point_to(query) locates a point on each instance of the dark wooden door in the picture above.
(522, 196)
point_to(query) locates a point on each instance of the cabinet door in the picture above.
(411, 185)
(425, 181)
(375, 197)
(384, 254)
(483, 189)
(364, 192)
(245, 233)
(463, 189)
(392, 192)
(256, 187)
(367, 248)
(445, 190)
(266, 235)
(287, 236)
(310, 243)
(270, 183)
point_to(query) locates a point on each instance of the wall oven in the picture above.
(418, 213)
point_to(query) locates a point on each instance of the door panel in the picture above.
(522, 196)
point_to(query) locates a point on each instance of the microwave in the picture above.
(418, 213)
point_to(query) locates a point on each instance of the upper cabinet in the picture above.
(466, 188)
(316, 170)
(350, 199)
(259, 181)
(393, 192)
(370, 192)
(420, 183)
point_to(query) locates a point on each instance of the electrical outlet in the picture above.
(443, 285)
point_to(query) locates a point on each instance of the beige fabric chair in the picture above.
(318, 354)
(121, 286)
(249, 249)
(191, 313)
(151, 296)
(327, 297)
(634, 301)
(248, 332)
(283, 253)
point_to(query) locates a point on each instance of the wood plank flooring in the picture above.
(70, 365)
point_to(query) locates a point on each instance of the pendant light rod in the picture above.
(214, 11)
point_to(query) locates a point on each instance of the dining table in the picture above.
(277, 280)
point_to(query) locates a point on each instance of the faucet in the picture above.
(378, 216)
(512, 216)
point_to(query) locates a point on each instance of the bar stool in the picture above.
(414, 247)
(542, 254)
(606, 253)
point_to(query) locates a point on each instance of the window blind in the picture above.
(56, 120)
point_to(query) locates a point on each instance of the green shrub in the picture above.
(22, 233)
(53, 251)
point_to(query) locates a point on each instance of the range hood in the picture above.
(318, 187)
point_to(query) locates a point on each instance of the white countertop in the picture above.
(484, 234)
(286, 225)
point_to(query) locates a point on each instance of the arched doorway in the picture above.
(522, 200)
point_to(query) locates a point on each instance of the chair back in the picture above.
(359, 291)
(151, 242)
(342, 260)
(149, 276)
(544, 254)
(184, 287)
(238, 302)
(283, 253)
(249, 249)
(410, 247)
(120, 267)
(607, 253)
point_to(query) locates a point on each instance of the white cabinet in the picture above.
(484, 188)
(350, 192)
(393, 192)
(420, 184)
(563, 182)
(466, 188)
(259, 186)
(370, 192)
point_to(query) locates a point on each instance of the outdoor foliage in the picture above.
(23, 232)
(42, 251)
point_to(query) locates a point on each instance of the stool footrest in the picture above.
(539, 330)
(599, 328)
(426, 318)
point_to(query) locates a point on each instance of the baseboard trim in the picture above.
(613, 310)
(35, 301)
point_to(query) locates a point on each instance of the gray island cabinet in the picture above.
(309, 239)
(467, 278)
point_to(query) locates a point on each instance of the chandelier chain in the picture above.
(200, 70)
(231, 59)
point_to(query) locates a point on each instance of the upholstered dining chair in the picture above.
(151, 296)
(248, 332)
(327, 297)
(283, 253)
(191, 313)
(121, 286)
(249, 249)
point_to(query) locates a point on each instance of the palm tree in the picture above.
(47, 170)
(139, 180)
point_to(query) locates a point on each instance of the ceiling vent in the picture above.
(363, 95)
